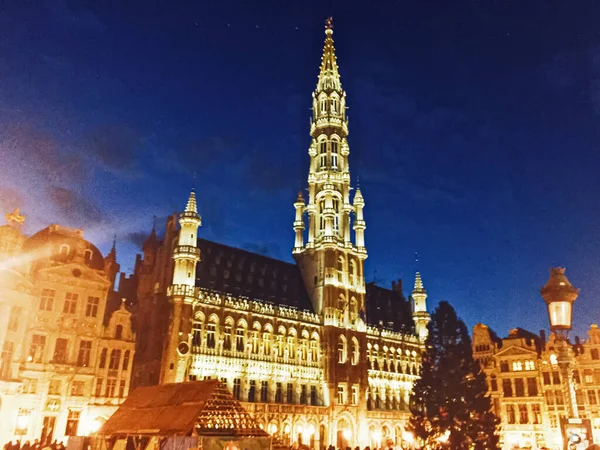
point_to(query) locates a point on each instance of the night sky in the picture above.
(474, 129)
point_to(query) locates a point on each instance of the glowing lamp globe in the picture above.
(559, 295)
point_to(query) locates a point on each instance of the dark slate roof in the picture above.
(389, 308)
(240, 272)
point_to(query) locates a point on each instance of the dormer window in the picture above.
(64, 249)
(87, 255)
(119, 332)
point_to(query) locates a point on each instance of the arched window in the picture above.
(291, 344)
(227, 333)
(196, 336)
(126, 360)
(119, 332)
(240, 337)
(353, 310)
(87, 255)
(336, 218)
(255, 337)
(280, 341)
(64, 249)
(355, 351)
(102, 363)
(341, 303)
(323, 105)
(334, 105)
(314, 349)
(267, 336)
(342, 350)
(211, 333)
(322, 215)
(340, 269)
(353, 273)
(334, 154)
(323, 155)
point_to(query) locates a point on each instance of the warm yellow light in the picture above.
(408, 436)
(311, 429)
(272, 428)
(89, 426)
(376, 435)
(444, 437)
(347, 434)
(299, 429)
(22, 421)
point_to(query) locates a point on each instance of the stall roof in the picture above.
(179, 409)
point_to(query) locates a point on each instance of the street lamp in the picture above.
(559, 296)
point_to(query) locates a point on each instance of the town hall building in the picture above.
(317, 355)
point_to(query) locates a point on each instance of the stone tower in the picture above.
(332, 258)
(420, 315)
(181, 293)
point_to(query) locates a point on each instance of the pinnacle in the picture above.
(191, 204)
(418, 284)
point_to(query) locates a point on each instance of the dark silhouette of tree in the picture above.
(450, 407)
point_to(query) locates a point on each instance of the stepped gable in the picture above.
(241, 272)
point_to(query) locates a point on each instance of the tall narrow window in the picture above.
(196, 336)
(115, 359)
(102, 362)
(60, 351)
(252, 391)
(99, 386)
(341, 394)
(227, 337)
(126, 360)
(122, 389)
(211, 331)
(264, 391)
(334, 154)
(278, 393)
(313, 395)
(355, 351)
(14, 318)
(290, 393)
(323, 155)
(240, 334)
(322, 216)
(83, 357)
(7, 354)
(237, 388)
(119, 332)
(36, 350)
(111, 387)
(510, 413)
(336, 217)
(342, 350)
(354, 399)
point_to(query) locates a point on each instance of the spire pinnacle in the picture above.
(329, 77)
(15, 218)
(191, 204)
(419, 289)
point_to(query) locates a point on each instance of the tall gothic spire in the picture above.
(329, 77)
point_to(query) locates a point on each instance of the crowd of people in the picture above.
(36, 445)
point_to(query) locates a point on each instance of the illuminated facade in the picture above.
(67, 345)
(316, 354)
(527, 386)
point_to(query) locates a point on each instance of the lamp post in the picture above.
(559, 296)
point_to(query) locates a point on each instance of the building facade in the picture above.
(67, 344)
(527, 385)
(316, 354)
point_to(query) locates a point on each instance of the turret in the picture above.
(299, 205)
(420, 315)
(359, 222)
(111, 267)
(182, 294)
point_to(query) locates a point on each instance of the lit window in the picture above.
(354, 399)
(322, 154)
(126, 360)
(517, 366)
(355, 352)
(553, 359)
(342, 350)
(83, 357)
(77, 388)
(111, 387)
(334, 154)
(341, 397)
(54, 387)
(64, 249)
(529, 365)
(115, 359)
(36, 350)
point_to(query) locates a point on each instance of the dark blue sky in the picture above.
(474, 128)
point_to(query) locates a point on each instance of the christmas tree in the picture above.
(450, 407)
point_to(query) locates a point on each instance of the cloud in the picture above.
(116, 147)
(36, 152)
(76, 210)
(137, 238)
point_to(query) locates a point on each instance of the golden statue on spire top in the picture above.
(329, 23)
(15, 218)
